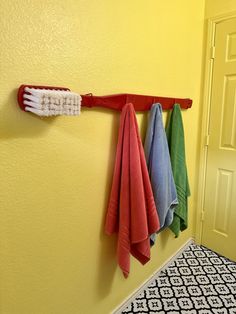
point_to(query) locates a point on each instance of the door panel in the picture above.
(222, 201)
(219, 225)
(228, 138)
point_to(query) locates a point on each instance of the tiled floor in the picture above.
(199, 281)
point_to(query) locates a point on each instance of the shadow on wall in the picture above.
(107, 259)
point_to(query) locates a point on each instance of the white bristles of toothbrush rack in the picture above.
(49, 101)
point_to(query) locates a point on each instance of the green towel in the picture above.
(175, 138)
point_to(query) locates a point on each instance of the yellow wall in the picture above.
(56, 172)
(217, 7)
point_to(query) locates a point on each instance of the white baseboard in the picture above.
(147, 282)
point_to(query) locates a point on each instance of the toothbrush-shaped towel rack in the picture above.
(71, 101)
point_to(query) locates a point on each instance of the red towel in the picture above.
(131, 211)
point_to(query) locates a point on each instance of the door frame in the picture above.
(209, 43)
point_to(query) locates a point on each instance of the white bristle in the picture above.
(36, 111)
(32, 104)
(30, 97)
(44, 102)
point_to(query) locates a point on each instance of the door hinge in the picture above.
(213, 51)
(207, 138)
(202, 215)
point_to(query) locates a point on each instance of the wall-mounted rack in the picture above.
(115, 102)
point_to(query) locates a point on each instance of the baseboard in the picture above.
(146, 283)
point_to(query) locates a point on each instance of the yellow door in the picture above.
(219, 224)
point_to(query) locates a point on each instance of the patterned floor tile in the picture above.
(199, 281)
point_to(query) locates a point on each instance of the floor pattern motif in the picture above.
(199, 281)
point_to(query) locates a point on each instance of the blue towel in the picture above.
(159, 167)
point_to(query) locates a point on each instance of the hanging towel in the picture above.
(175, 137)
(131, 211)
(159, 167)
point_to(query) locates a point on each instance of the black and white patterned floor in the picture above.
(199, 281)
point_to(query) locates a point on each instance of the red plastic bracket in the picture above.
(140, 102)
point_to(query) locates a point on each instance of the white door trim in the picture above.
(205, 116)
